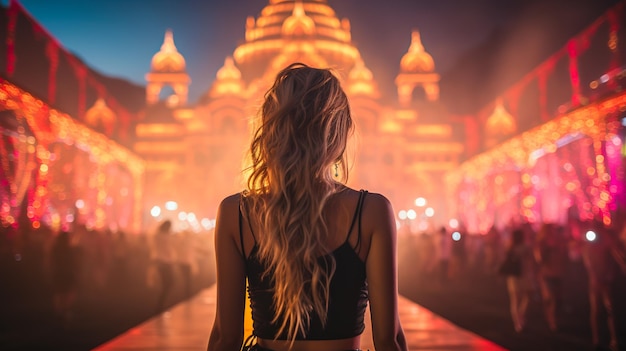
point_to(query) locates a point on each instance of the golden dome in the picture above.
(100, 116)
(501, 122)
(228, 80)
(417, 60)
(298, 23)
(168, 59)
(228, 71)
(361, 80)
(285, 21)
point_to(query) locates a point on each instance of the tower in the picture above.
(417, 69)
(168, 69)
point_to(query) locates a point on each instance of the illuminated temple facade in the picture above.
(194, 154)
(549, 145)
(547, 148)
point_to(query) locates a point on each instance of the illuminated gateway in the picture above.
(194, 153)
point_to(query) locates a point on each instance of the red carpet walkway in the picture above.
(186, 327)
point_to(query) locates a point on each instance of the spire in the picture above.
(167, 69)
(416, 42)
(417, 60)
(299, 23)
(361, 80)
(168, 42)
(101, 117)
(228, 80)
(298, 9)
(500, 122)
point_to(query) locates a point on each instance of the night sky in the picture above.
(119, 37)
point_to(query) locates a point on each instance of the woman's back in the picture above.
(348, 287)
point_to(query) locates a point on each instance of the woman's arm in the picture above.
(227, 333)
(381, 266)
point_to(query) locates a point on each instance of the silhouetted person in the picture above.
(445, 251)
(519, 277)
(164, 257)
(603, 257)
(492, 250)
(551, 257)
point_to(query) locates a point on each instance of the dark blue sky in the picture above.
(119, 37)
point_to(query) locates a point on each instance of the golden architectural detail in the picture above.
(500, 125)
(101, 117)
(298, 24)
(417, 60)
(168, 59)
(228, 80)
(168, 69)
(417, 69)
(215, 133)
(361, 81)
(282, 23)
(436, 130)
(147, 130)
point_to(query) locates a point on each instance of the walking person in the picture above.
(164, 257)
(518, 269)
(314, 251)
(551, 256)
(604, 260)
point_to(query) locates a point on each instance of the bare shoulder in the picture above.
(377, 213)
(376, 205)
(377, 202)
(230, 202)
(228, 211)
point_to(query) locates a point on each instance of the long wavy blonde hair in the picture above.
(305, 124)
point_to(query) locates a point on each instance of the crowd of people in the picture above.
(55, 270)
(534, 260)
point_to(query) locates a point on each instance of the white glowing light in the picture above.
(171, 206)
(420, 202)
(182, 215)
(402, 214)
(591, 235)
(429, 212)
(80, 204)
(411, 214)
(191, 217)
(456, 236)
(155, 211)
(604, 78)
(206, 223)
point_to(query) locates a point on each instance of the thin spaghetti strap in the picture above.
(355, 216)
(360, 214)
(243, 250)
(245, 208)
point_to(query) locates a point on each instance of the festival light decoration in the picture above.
(50, 127)
(594, 125)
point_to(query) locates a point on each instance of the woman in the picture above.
(313, 250)
(518, 270)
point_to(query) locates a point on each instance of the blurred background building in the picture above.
(485, 144)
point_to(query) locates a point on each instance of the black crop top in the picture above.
(347, 299)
